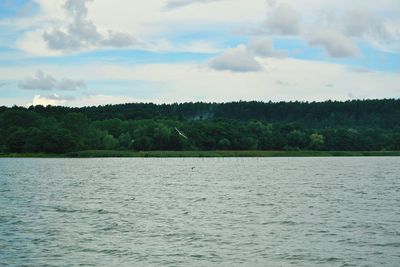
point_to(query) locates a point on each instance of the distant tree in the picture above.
(395, 144)
(297, 139)
(162, 137)
(56, 140)
(110, 142)
(317, 141)
(249, 143)
(125, 140)
(16, 141)
(224, 144)
(33, 140)
(330, 125)
(18, 117)
(143, 143)
(113, 126)
(77, 123)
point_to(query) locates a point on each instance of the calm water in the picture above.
(200, 212)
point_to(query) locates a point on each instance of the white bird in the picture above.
(181, 134)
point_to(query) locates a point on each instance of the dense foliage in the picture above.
(353, 125)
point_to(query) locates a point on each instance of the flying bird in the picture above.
(181, 134)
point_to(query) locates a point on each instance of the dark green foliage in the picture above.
(16, 140)
(317, 141)
(361, 125)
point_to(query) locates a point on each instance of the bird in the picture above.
(181, 134)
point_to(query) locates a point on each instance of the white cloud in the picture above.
(53, 100)
(173, 4)
(368, 27)
(282, 83)
(243, 58)
(189, 82)
(89, 100)
(237, 59)
(361, 70)
(42, 81)
(148, 18)
(32, 42)
(253, 68)
(87, 25)
(376, 24)
(58, 97)
(60, 28)
(309, 7)
(82, 33)
(334, 42)
(284, 20)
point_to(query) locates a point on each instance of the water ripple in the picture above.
(225, 212)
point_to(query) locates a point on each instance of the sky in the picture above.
(97, 52)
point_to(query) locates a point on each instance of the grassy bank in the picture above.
(31, 155)
(255, 153)
(169, 154)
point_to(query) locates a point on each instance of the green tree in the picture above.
(77, 123)
(162, 137)
(224, 144)
(33, 140)
(297, 139)
(395, 144)
(56, 140)
(110, 142)
(16, 141)
(125, 140)
(317, 141)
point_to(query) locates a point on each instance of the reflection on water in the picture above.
(200, 212)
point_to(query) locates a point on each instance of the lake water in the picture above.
(200, 212)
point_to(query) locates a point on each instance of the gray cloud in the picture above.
(357, 25)
(350, 95)
(283, 20)
(77, 8)
(237, 60)
(38, 81)
(82, 32)
(42, 81)
(263, 47)
(68, 84)
(361, 23)
(3, 84)
(174, 4)
(282, 83)
(118, 39)
(361, 70)
(243, 57)
(334, 42)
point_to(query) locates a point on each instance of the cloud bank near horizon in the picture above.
(195, 50)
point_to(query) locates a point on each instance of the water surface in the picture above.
(200, 212)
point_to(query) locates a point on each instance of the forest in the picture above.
(357, 125)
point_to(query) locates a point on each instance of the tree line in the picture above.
(365, 125)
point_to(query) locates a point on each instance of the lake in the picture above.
(200, 212)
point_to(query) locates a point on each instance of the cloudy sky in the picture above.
(94, 52)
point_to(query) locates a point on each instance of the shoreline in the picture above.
(201, 154)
